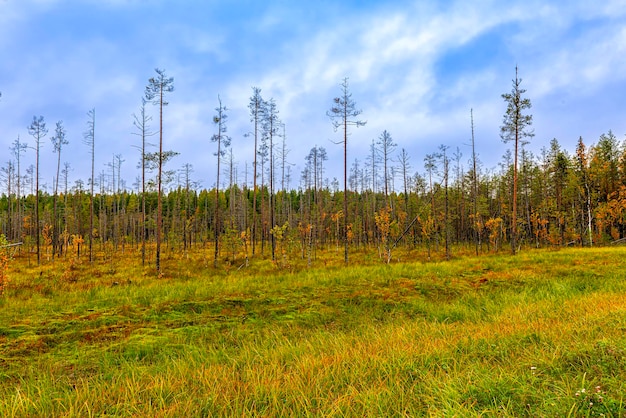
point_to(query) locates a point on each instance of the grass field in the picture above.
(539, 334)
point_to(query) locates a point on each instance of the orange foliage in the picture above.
(4, 264)
(611, 215)
(540, 227)
(496, 231)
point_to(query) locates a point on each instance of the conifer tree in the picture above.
(256, 107)
(18, 149)
(58, 140)
(155, 93)
(475, 216)
(141, 122)
(342, 114)
(386, 146)
(515, 127)
(223, 142)
(90, 140)
(582, 160)
(405, 166)
(38, 131)
(271, 125)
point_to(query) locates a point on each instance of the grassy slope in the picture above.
(495, 335)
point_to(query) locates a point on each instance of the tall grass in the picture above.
(539, 334)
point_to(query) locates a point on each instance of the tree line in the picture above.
(554, 198)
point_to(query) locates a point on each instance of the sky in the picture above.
(415, 69)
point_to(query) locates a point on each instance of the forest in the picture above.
(555, 198)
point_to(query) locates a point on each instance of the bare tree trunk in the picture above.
(475, 188)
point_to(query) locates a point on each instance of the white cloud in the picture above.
(582, 65)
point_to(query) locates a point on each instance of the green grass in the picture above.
(539, 334)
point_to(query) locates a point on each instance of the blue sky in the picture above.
(415, 68)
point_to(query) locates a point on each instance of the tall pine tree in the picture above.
(515, 127)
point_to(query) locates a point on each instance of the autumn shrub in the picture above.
(4, 263)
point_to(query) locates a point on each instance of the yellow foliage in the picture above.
(350, 233)
(47, 234)
(383, 223)
(4, 264)
(428, 227)
(540, 227)
(26, 222)
(496, 232)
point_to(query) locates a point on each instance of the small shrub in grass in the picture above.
(71, 272)
(4, 263)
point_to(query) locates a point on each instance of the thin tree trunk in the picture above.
(159, 184)
(345, 187)
(514, 212)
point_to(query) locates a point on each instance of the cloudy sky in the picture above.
(415, 68)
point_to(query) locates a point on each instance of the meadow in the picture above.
(538, 334)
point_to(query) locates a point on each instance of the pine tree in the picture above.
(156, 90)
(343, 114)
(223, 142)
(515, 127)
(141, 122)
(256, 107)
(58, 140)
(38, 131)
(90, 140)
(18, 149)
